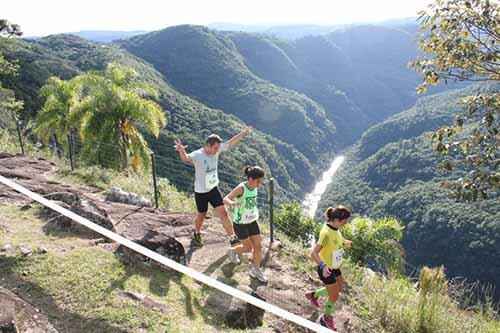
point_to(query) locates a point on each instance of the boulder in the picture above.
(236, 313)
(118, 195)
(166, 246)
(79, 205)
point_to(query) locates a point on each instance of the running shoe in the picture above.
(328, 322)
(313, 299)
(197, 239)
(232, 255)
(258, 274)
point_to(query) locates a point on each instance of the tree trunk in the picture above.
(123, 152)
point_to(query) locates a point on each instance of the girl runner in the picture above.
(328, 255)
(245, 216)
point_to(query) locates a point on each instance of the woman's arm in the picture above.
(236, 192)
(315, 256)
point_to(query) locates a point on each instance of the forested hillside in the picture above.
(65, 56)
(393, 171)
(353, 77)
(206, 65)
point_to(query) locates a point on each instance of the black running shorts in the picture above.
(332, 279)
(245, 230)
(202, 199)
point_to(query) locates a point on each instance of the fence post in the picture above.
(70, 146)
(155, 187)
(19, 135)
(271, 209)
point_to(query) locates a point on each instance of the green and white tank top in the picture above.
(248, 211)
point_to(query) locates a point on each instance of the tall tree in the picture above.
(10, 107)
(114, 107)
(61, 98)
(8, 30)
(462, 40)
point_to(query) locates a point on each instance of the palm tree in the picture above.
(113, 109)
(61, 98)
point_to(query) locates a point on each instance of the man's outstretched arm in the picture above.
(182, 151)
(235, 139)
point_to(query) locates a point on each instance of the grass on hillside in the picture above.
(76, 283)
(169, 197)
(394, 304)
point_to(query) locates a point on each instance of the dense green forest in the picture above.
(357, 88)
(290, 86)
(393, 171)
(66, 56)
(211, 81)
(206, 65)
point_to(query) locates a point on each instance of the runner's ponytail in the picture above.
(339, 212)
(254, 172)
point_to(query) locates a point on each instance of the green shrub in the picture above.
(376, 243)
(289, 220)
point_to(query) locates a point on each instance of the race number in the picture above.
(249, 216)
(337, 258)
(211, 180)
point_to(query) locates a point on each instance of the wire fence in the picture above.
(77, 152)
(80, 153)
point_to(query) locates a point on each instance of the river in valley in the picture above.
(311, 200)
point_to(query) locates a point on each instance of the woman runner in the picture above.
(328, 255)
(245, 216)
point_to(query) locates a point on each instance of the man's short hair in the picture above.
(213, 139)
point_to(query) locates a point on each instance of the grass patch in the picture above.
(76, 284)
(395, 305)
(9, 143)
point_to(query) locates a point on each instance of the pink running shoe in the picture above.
(313, 299)
(327, 321)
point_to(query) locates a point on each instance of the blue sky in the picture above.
(42, 17)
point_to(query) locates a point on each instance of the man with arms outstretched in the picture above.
(205, 161)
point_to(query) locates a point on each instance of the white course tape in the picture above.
(168, 262)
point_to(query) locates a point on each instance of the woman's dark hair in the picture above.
(213, 139)
(339, 212)
(254, 172)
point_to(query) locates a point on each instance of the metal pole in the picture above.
(271, 209)
(19, 135)
(70, 146)
(155, 187)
